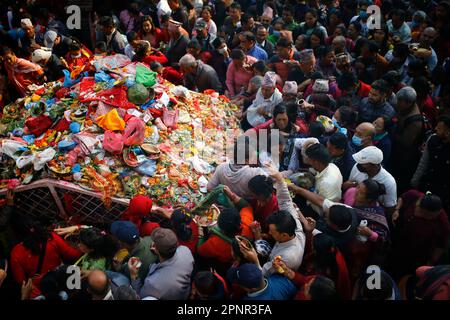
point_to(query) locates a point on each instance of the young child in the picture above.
(168, 73)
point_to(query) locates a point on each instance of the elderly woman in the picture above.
(267, 98)
(21, 72)
(239, 72)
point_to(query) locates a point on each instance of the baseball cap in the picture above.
(247, 275)
(165, 240)
(200, 25)
(125, 231)
(49, 38)
(367, 155)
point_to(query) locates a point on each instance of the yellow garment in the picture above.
(111, 121)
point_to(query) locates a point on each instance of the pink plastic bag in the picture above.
(113, 142)
(170, 118)
(134, 132)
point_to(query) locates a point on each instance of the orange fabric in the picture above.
(216, 248)
(111, 121)
(246, 219)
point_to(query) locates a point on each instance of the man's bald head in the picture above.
(98, 283)
(428, 36)
(366, 131)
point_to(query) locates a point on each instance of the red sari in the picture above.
(23, 73)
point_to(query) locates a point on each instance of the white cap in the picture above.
(371, 155)
(49, 38)
(26, 23)
(40, 54)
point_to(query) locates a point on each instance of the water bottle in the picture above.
(360, 237)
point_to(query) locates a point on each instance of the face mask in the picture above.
(379, 136)
(223, 50)
(335, 122)
(75, 56)
(357, 141)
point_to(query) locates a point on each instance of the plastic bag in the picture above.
(134, 132)
(200, 165)
(170, 118)
(86, 141)
(23, 161)
(137, 94)
(147, 168)
(41, 158)
(111, 121)
(10, 147)
(111, 62)
(102, 77)
(181, 91)
(113, 142)
(69, 82)
(145, 76)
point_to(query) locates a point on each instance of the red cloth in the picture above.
(158, 37)
(82, 61)
(140, 206)
(217, 248)
(156, 56)
(172, 75)
(38, 125)
(24, 263)
(364, 89)
(62, 125)
(429, 109)
(147, 228)
(263, 212)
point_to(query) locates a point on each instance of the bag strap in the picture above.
(41, 258)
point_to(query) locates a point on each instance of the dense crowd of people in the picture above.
(363, 176)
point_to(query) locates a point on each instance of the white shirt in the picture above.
(253, 117)
(390, 198)
(328, 185)
(163, 9)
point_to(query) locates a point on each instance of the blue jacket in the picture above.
(277, 288)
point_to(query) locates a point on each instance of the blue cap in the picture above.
(247, 275)
(125, 231)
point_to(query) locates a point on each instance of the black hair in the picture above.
(284, 43)
(356, 25)
(131, 36)
(208, 8)
(49, 286)
(372, 46)
(422, 86)
(181, 224)
(235, 5)
(98, 241)
(324, 50)
(417, 65)
(348, 116)
(142, 49)
(374, 189)
(75, 44)
(107, 21)
(5, 50)
(261, 185)
(125, 292)
(384, 292)
(341, 216)
(431, 202)
(399, 13)
(401, 49)
(249, 36)
(392, 78)
(237, 54)
(312, 11)
(245, 18)
(325, 256)
(316, 129)
(229, 221)
(148, 18)
(35, 234)
(194, 44)
(218, 42)
(101, 45)
(280, 109)
(283, 221)
(319, 34)
(445, 119)
(318, 152)
(347, 80)
(339, 140)
(381, 86)
(206, 283)
(155, 65)
(323, 288)
(289, 8)
(260, 66)
(388, 123)
(237, 251)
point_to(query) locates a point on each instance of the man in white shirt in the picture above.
(267, 97)
(328, 176)
(163, 9)
(368, 165)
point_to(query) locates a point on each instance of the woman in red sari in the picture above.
(149, 32)
(21, 72)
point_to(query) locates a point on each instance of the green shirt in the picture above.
(142, 251)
